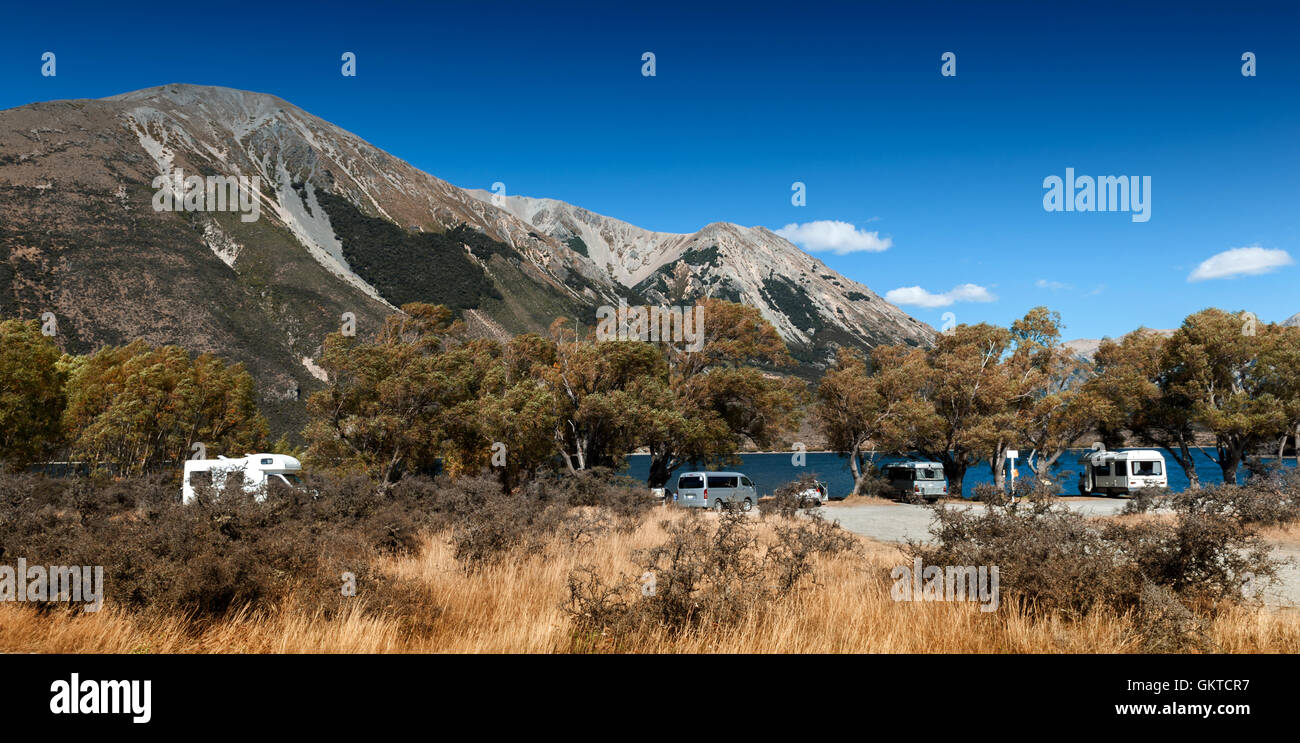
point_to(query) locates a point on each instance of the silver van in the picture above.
(916, 479)
(716, 490)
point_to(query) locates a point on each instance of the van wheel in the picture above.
(717, 506)
(748, 504)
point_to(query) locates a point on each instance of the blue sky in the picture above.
(846, 97)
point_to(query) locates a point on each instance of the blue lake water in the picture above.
(771, 471)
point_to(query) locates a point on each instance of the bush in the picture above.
(221, 553)
(789, 499)
(700, 575)
(1059, 561)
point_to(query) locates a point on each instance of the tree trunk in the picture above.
(1230, 455)
(954, 468)
(660, 471)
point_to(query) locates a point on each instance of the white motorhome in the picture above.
(257, 471)
(1122, 472)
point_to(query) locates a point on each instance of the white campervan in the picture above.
(257, 470)
(1122, 472)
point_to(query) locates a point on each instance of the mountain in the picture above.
(342, 227)
(1086, 348)
(1292, 321)
(813, 307)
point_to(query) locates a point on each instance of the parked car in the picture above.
(816, 494)
(916, 479)
(716, 490)
(1122, 472)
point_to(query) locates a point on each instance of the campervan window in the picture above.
(1147, 467)
(1101, 470)
(716, 481)
(901, 473)
(690, 482)
(267, 460)
(1121, 468)
(929, 474)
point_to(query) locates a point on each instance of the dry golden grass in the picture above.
(516, 607)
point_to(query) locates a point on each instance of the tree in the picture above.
(139, 408)
(31, 394)
(604, 395)
(715, 398)
(1279, 374)
(392, 405)
(969, 390)
(1128, 394)
(1213, 364)
(856, 408)
(1056, 411)
(514, 420)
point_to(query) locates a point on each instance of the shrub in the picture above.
(700, 575)
(789, 499)
(1059, 561)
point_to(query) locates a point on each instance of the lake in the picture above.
(771, 471)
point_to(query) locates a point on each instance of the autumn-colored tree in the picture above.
(137, 408)
(1126, 398)
(970, 391)
(31, 394)
(1054, 412)
(856, 408)
(716, 398)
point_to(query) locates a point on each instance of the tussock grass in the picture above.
(517, 605)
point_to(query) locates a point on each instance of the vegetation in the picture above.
(982, 390)
(406, 266)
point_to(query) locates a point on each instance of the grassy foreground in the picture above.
(518, 605)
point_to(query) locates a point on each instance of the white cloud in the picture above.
(1053, 285)
(915, 295)
(838, 237)
(1250, 261)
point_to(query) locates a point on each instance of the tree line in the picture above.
(1222, 386)
(424, 395)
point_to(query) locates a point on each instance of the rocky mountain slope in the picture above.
(814, 308)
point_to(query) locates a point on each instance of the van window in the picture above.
(902, 473)
(1147, 467)
(931, 474)
(1101, 470)
(1121, 468)
(690, 482)
(722, 481)
(745, 481)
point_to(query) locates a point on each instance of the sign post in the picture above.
(1011, 467)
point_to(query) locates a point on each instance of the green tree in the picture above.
(31, 394)
(1212, 363)
(137, 408)
(393, 405)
